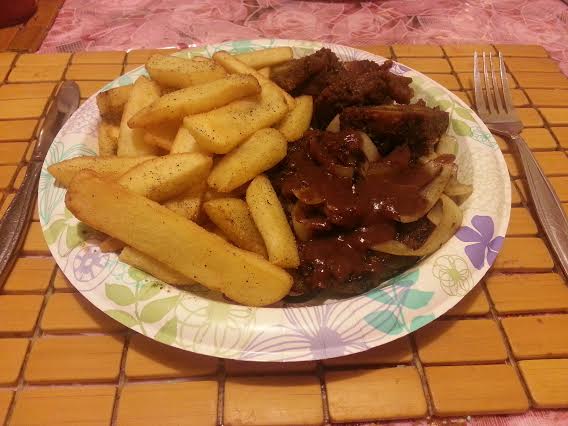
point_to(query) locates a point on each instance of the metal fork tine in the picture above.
(478, 89)
(498, 101)
(488, 87)
(505, 83)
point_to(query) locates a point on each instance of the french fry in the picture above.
(108, 138)
(188, 203)
(195, 99)
(185, 142)
(107, 167)
(111, 245)
(161, 136)
(233, 65)
(232, 216)
(266, 57)
(166, 89)
(262, 151)
(211, 194)
(145, 263)
(270, 219)
(165, 177)
(298, 120)
(178, 243)
(158, 140)
(173, 71)
(131, 141)
(265, 72)
(111, 102)
(222, 129)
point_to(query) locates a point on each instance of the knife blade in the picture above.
(14, 224)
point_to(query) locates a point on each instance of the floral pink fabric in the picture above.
(129, 24)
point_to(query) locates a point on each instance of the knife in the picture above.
(16, 220)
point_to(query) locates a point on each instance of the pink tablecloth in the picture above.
(125, 24)
(130, 24)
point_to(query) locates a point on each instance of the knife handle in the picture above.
(14, 224)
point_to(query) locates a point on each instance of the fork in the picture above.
(495, 108)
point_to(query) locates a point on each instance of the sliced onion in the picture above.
(364, 168)
(431, 193)
(435, 214)
(342, 171)
(307, 196)
(450, 221)
(369, 148)
(426, 159)
(431, 166)
(334, 125)
(457, 189)
(302, 230)
(378, 169)
(447, 145)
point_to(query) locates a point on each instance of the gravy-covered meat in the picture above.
(398, 86)
(361, 83)
(297, 72)
(347, 192)
(389, 126)
(336, 85)
(340, 210)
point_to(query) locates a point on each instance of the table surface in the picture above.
(502, 350)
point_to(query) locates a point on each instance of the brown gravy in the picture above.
(347, 203)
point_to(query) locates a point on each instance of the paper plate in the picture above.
(198, 320)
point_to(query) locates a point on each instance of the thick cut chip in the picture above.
(108, 138)
(266, 57)
(145, 263)
(111, 102)
(131, 141)
(270, 219)
(265, 72)
(107, 167)
(185, 142)
(298, 120)
(161, 136)
(233, 65)
(233, 217)
(222, 129)
(111, 245)
(195, 99)
(188, 203)
(165, 177)
(173, 71)
(178, 243)
(262, 151)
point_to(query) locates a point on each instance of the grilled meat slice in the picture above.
(297, 72)
(361, 83)
(390, 126)
(336, 85)
(398, 86)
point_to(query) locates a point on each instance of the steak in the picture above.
(361, 83)
(336, 85)
(390, 126)
(296, 73)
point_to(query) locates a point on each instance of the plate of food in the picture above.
(274, 200)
